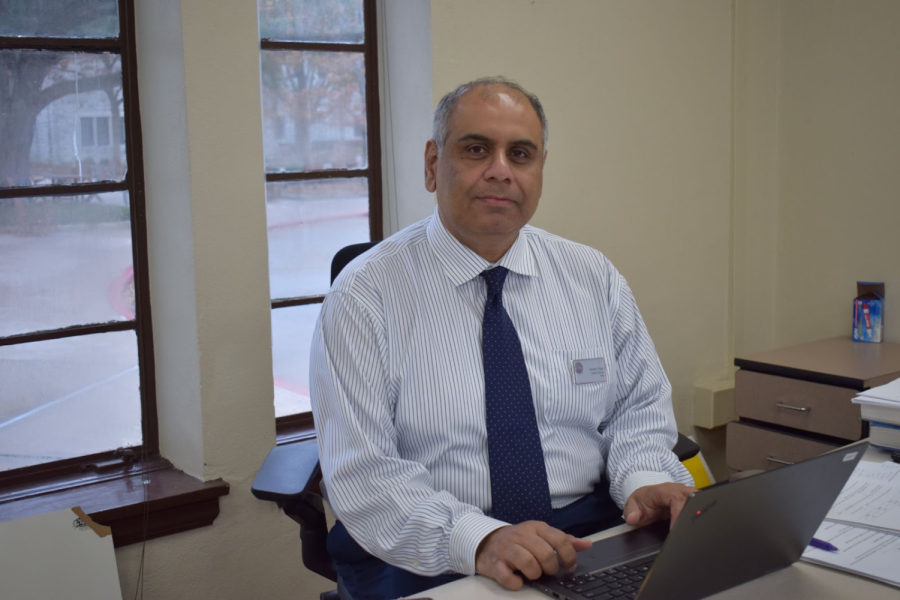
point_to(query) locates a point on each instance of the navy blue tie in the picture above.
(519, 489)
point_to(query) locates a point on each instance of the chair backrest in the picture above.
(345, 255)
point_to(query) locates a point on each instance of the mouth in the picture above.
(495, 200)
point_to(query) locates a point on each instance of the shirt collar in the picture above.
(461, 264)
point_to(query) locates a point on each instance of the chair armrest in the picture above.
(685, 448)
(288, 472)
(290, 477)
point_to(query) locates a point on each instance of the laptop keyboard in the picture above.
(615, 583)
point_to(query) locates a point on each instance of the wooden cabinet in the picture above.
(794, 403)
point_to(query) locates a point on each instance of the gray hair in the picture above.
(448, 103)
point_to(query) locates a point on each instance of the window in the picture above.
(76, 361)
(323, 167)
(95, 131)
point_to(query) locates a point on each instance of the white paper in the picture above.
(873, 401)
(889, 392)
(871, 497)
(55, 555)
(874, 554)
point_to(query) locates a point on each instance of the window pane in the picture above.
(87, 131)
(102, 131)
(68, 397)
(60, 18)
(292, 330)
(64, 261)
(309, 221)
(314, 110)
(312, 20)
(44, 126)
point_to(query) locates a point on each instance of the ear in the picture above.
(545, 158)
(431, 157)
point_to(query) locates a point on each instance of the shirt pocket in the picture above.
(566, 402)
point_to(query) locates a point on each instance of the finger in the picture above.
(581, 544)
(675, 510)
(543, 552)
(568, 552)
(634, 516)
(676, 507)
(562, 546)
(506, 577)
(630, 507)
(523, 560)
(651, 514)
(640, 509)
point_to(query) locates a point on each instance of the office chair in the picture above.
(290, 476)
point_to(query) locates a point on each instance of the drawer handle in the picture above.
(778, 461)
(797, 408)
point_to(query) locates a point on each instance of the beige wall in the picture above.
(839, 171)
(755, 220)
(638, 96)
(817, 149)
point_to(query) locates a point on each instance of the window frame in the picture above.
(44, 478)
(300, 426)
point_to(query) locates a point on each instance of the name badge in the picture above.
(589, 370)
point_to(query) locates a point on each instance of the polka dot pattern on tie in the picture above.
(519, 488)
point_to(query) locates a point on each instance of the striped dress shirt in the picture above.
(397, 387)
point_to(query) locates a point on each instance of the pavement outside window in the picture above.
(76, 396)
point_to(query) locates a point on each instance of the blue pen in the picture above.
(822, 545)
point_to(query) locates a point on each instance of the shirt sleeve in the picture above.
(388, 504)
(639, 435)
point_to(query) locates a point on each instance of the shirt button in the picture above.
(416, 563)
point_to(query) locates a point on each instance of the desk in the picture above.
(800, 581)
(794, 403)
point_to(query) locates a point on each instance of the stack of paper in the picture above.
(871, 498)
(884, 395)
(881, 406)
(864, 524)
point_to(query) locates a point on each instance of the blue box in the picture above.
(868, 318)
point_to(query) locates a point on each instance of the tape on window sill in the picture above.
(100, 530)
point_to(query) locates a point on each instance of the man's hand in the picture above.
(656, 502)
(532, 548)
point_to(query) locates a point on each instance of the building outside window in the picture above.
(95, 131)
(323, 169)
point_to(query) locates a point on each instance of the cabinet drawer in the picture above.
(815, 407)
(750, 447)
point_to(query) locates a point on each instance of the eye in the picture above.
(476, 150)
(519, 154)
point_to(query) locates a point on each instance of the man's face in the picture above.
(489, 174)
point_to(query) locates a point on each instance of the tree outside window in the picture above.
(322, 159)
(75, 355)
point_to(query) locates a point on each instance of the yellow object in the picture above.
(696, 466)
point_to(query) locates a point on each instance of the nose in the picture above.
(498, 168)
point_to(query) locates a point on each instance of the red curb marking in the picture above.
(291, 387)
(116, 293)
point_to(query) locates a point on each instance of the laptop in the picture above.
(727, 534)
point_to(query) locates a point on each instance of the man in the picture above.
(474, 378)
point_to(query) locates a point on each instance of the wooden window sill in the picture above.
(295, 428)
(175, 501)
